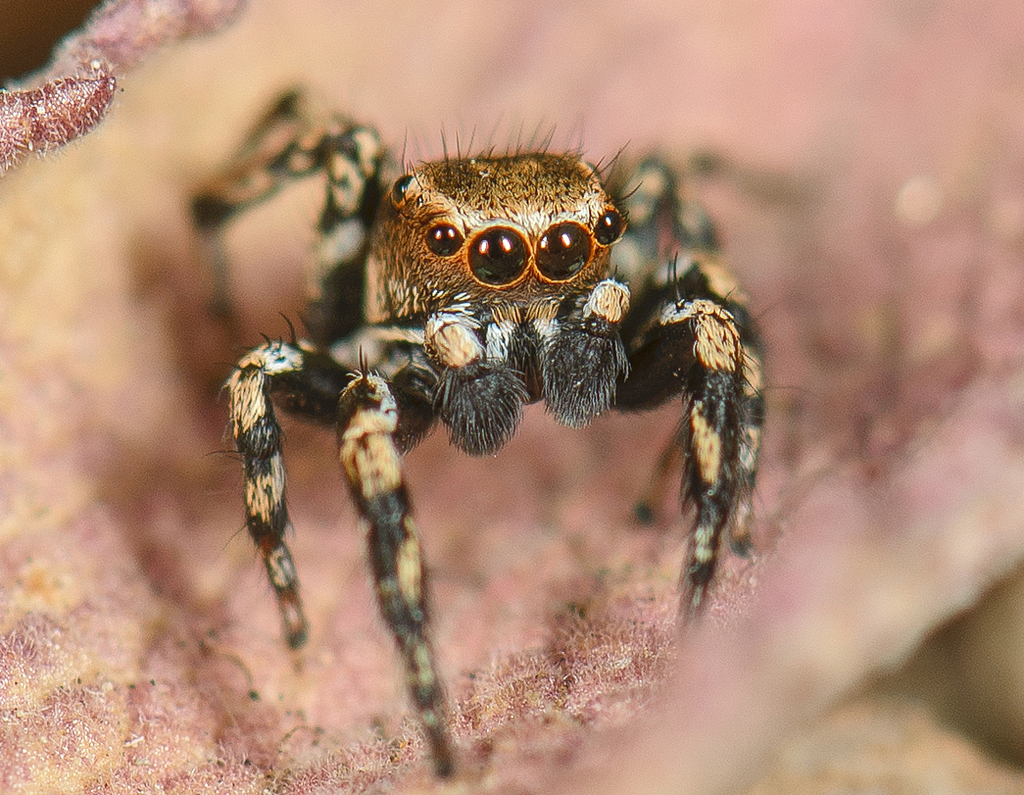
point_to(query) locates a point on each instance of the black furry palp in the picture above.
(481, 404)
(580, 366)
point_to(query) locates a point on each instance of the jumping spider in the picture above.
(462, 291)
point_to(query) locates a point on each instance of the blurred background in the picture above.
(30, 30)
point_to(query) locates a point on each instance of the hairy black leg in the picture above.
(258, 169)
(663, 223)
(582, 357)
(371, 460)
(293, 140)
(690, 334)
(695, 347)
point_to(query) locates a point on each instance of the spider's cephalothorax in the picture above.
(459, 292)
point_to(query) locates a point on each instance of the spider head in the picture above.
(520, 229)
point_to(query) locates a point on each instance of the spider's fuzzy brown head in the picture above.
(518, 229)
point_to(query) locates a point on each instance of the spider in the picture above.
(459, 292)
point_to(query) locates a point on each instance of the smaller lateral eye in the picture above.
(444, 239)
(609, 227)
(399, 189)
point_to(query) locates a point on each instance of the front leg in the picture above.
(308, 384)
(371, 459)
(692, 335)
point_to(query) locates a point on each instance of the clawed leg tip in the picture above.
(643, 512)
(443, 758)
(742, 546)
(297, 638)
(692, 603)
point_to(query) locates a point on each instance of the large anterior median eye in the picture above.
(497, 256)
(563, 251)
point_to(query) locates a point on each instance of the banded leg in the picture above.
(258, 440)
(371, 459)
(292, 141)
(692, 335)
(307, 384)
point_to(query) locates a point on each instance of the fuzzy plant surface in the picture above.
(863, 165)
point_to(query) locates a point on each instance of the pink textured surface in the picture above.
(78, 84)
(43, 119)
(871, 201)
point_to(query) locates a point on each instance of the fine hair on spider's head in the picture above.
(503, 139)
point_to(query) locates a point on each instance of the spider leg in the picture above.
(691, 334)
(308, 384)
(291, 141)
(371, 459)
